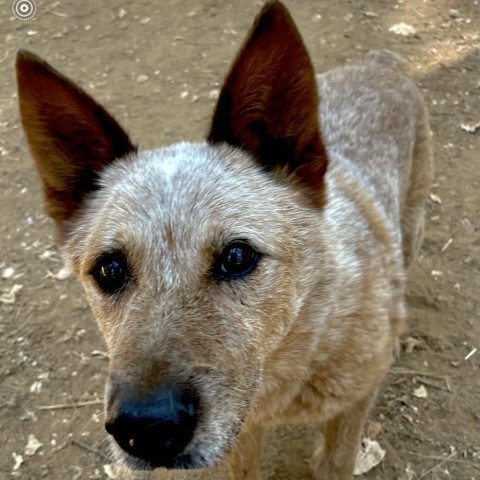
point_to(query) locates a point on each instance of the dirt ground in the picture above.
(157, 65)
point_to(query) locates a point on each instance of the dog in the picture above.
(256, 278)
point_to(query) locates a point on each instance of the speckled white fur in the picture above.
(311, 334)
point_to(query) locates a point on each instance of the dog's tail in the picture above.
(386, 58)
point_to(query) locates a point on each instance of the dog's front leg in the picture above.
(334, 458)
(245, 457)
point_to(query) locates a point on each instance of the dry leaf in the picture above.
(33, 445)
(109, 471)
(403, 29)
(10, 295)
(8, 272)
(420, 392)
(62, 274)
(18, 461)
(36, 387)
(470, 127)
(369, 456)
(410, 344)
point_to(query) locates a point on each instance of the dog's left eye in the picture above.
(237, 260)
(111, 272)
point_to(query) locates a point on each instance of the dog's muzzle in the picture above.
(155, 429)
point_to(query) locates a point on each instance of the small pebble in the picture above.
(8, 272)
(454, 13)
(403, 29)
(142, 78)
(214, 94)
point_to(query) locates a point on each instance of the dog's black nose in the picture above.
(156, 429)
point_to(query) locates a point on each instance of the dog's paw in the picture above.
(323, 468)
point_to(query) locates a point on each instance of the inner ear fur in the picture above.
(72, 138)
(268, 104)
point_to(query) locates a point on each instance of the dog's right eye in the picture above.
(236, 260)
(111, 272)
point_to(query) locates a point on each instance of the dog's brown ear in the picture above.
(71, 137)
(269, 103)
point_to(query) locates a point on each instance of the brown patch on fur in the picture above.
(71, 137)
(169, 237)
(269, 102)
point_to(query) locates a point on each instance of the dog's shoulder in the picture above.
(371, 95)
(370, 114)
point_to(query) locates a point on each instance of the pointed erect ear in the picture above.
(71, 137)
(269, 103)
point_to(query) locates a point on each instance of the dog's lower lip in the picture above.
(182, 462)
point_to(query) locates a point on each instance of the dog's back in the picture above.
(375, 127)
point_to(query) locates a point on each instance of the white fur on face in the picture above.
(199, 196)
(171, 211)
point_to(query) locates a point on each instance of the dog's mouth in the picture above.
(181, 462)
(172, 429)
(202, 453)
(194, 460)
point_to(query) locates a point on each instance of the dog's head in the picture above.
(192, 256)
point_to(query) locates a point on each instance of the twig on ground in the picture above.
(437, 457)
(417, 373)
(445, 460)
(99, 353)
(406, 371)
(91, 449)
(62, 406)
(471, 354)
(424, 381)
